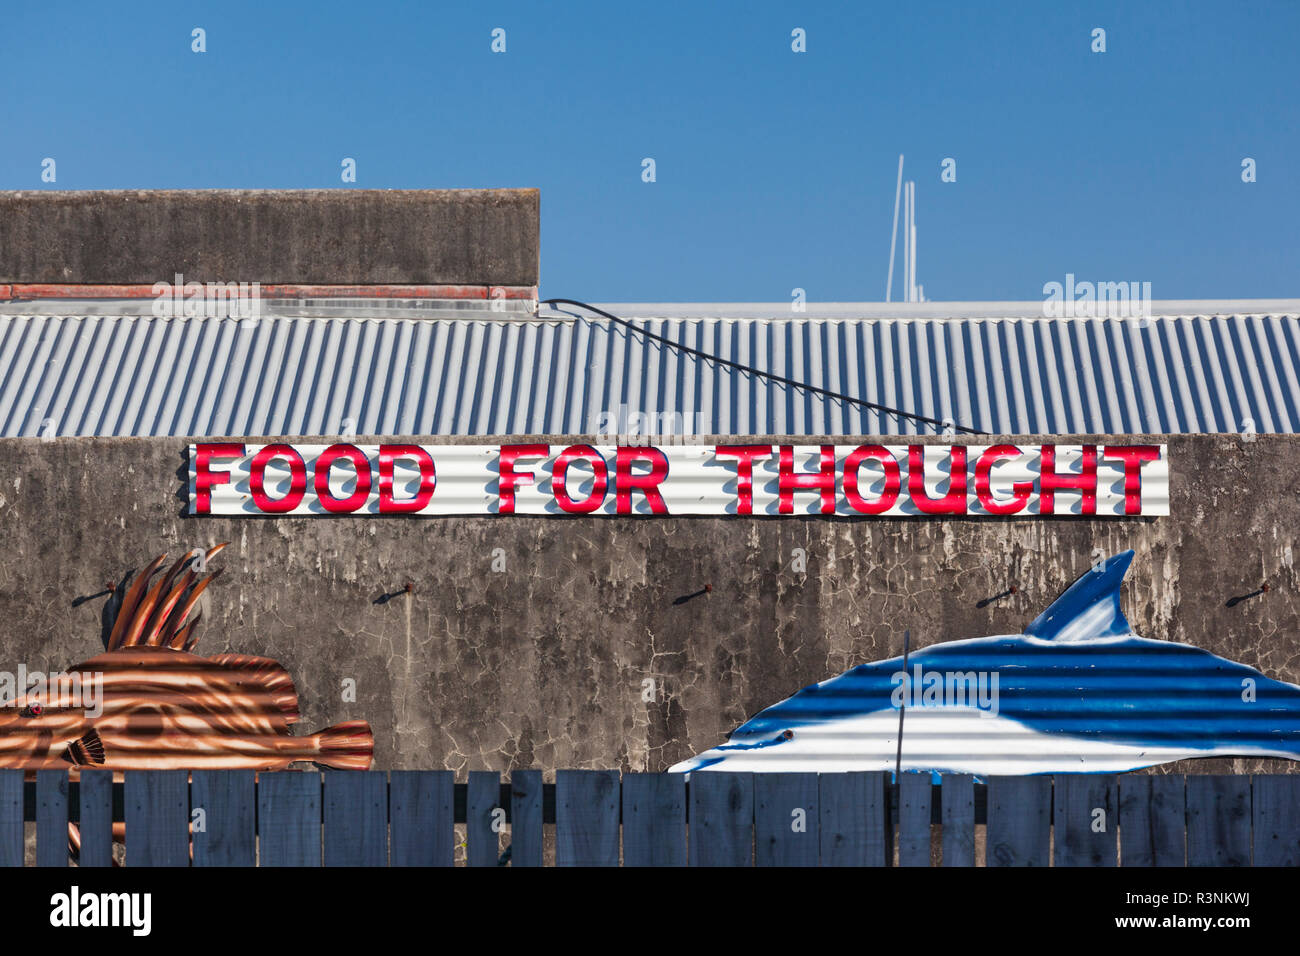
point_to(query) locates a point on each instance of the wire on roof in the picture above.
(749, 369)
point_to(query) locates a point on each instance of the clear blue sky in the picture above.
(774, 169)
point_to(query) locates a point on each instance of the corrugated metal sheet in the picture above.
(280, 375)
(1077, 692)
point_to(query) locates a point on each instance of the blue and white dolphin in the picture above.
(1077, 692)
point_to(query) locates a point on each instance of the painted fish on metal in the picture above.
(150, 703)
(1077, 692)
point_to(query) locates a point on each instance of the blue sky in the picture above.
(774, 169)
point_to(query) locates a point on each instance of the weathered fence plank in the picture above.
(422, 820)
(722, 815)
(586, 818)
(853, 826)
(654, 819)
(482, 838)
(157, 818)
(1275, 805)
(51, 818)
(1218, 820)
(957, 798)
(1152, 820)
(914, 791)
(288, 819)
(228, 799)
(96, 827)
(1085, 820)
(11, 818)
(1019, 821)
(786, 819)
(526, 818)
(736, 819)
(356, 818)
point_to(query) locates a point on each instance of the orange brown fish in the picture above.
(161, 707)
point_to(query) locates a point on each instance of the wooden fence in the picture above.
(597, 818)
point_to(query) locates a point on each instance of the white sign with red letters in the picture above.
(942, 481)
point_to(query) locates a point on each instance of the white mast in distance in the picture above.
(893, 233)
(912, 239)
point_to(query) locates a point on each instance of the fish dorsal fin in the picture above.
(1089, 607)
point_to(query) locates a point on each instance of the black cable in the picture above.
(839, 396)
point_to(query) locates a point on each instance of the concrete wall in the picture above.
(542, 666)
(322, 236)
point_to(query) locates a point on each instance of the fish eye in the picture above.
(33, 710)
(788, 735)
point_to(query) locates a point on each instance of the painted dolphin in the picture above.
(1078, 692)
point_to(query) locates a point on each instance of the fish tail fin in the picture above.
(346, 746)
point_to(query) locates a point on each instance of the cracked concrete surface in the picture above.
(543, 665)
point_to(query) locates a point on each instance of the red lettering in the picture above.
(625, 482)
(823, 480)
(1133, 456)
(325, 461)
(428, 479)
(1050, 482)
(297, 479)
(510, 480)
(745, 456)
(853, 463)
(1021, 491)
(599, 469)
(952, 503)
(205, 479)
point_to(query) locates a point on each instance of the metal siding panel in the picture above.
(374, 391)
(1158, 355)
(1056, 339)
(1268, 390)
(923, 373)
(459, 390)
(413, 353)
(1013, 368)
(1041, 357)
(1288, 385)
(763, 404)
(435, 377)
(232, 383)
(1106, 362)
(142, 375)
(47, 380)
(72, 359)
(980, 386)
(1178, 359)
(717, 376)
(264, 404)
(725, 377)
(959, 361)
(1145, 399)
(888, 369)
(1234, 412)
(217, 374)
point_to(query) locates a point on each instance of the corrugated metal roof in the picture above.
(284, 374)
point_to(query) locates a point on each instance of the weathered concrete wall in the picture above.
(321, 236)
(542, 665)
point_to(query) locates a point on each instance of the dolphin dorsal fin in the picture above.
(1089, 607)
